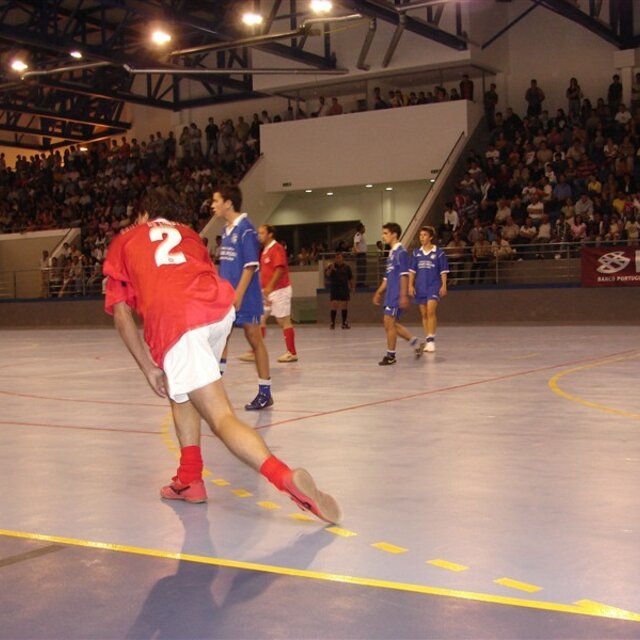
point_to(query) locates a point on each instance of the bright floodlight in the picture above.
(321, 6)
(160, 37)
(19, 65)
(76, 54)
(252, 19)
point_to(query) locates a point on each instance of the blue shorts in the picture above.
(395, 312)
(244, 317)
(432, 294)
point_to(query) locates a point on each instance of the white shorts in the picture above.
(278, 303)
(193, 361)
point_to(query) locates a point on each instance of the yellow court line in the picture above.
(588, 609)
(241, 493)
(267, 504)
(516, 584)
(445, 564)
(555, 387)
(389, 548)
(220, 482)
(343, 533)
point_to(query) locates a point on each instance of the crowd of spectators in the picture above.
(545, 184)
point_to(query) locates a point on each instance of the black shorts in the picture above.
(341, 295)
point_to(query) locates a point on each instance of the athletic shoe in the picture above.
(193, 492)
(332, 325)
(248, 357)
(288, 357)
(430, 347)
(345, 325)
(420, 347)
(261, 401)
(303, 491)
(387, 360)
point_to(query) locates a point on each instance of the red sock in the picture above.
(274, 471)
(263, 331)
(190, 468)
(290, 340)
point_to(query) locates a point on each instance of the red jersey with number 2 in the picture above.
(163, 270)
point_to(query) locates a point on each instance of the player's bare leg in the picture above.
(187, 484)
(432, 324)
(390, 328)
(213, 405)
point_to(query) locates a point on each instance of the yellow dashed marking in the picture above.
(265, 504)
(302, 517)
(445, 564)
(241, 493)
(343, 533)
(206, 473)
(389, 548)
(220, 482)
(515, 584)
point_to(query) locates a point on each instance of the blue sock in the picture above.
(431, 338)
(414, 341)
(264, 387)
(391, 354)
(223, 365)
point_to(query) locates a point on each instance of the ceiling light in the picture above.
(321, 6)
(251, 19)
(160, 37)
(75, 54)
(432, 180)
(388, 188)
(308, 190)
(329, 193)
(368, 186)
(84, 149)
(19, 65)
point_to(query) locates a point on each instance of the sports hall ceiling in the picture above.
(61, 99)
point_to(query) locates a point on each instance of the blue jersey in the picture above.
(428, 267)
(240, 248)
(397, 267)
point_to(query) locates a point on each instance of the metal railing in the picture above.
(65, 282)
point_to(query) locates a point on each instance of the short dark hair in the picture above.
(230, 192)
(271, 230)
(393, 227)
(159, 203)
(429, 229)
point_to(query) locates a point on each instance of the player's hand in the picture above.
(443, 292)
(376, 299)
(403, 302)
(157, 381)
(237, 303)
(412, 292)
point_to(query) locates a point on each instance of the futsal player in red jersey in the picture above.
(276, 288)
(162, 270)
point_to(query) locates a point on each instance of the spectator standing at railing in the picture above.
(614, 94)
(212, 133)
(457, 256)
(335, 109)
(395, 287)
(466, 88)
(45, 273)
(480, 256)
(323, 108)
(428, 272)
(574, 96)
(341, 286)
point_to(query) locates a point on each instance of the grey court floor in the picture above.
(490, 490)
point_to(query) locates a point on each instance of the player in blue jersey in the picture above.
(428, 282)
(395, 286)
(239, 264)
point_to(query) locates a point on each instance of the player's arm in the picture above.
(403, 300)
(275, 278)
(412, 283)
(126, 326)
(377, 296)
(444, 273)
(243, 284)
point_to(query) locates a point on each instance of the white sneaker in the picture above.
(288, 357)
(430, 347)
(248, 357)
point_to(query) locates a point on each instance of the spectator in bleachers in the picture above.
(480, 255)
(323, 108)
(456, 251)
(534, 97)
(335, 109)
(614, 95)
(466, 88)
(574, 96)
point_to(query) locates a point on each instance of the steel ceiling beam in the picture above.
(390, 14)
(64, 117)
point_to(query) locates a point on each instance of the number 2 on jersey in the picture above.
(170, 238)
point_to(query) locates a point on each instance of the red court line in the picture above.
(78, 427)
(454, 387)
(35, 397)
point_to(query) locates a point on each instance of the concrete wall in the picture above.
(391, 145)
(616, 306)
(562, 305)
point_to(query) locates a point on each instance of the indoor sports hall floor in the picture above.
(490, 490)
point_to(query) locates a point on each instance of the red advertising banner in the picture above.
(610, 267)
